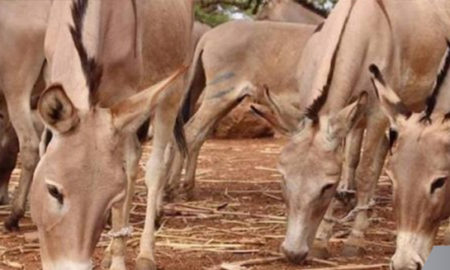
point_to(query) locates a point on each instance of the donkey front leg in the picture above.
(215, 106)
(155, 175)
(353, 142)
(372, 160)
(114, 257)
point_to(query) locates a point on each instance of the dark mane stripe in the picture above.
(91, 69)
(432, 99)
(311, 7)
(312, 112)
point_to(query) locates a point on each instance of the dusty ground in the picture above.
(235, 178)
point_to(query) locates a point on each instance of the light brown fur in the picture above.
(411, 61)
(418, 167)
(91, 162)
(22, 57)
(234, 69)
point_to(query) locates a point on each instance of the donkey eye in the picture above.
(326, 188)
(55, 193)
(437, 184)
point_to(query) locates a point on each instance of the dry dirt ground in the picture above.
(237, 215)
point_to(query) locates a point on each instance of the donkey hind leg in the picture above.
(346, 188)
(18, 93)
(155, 175)
(114, 257)
(211, 111)
(375, 148)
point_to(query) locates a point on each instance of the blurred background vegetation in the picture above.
(214, 12)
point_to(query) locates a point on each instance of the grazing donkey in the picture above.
(232, 69)
(298, 11)
(22, 59)
(103, 58)
(356, 34)
(418, 166)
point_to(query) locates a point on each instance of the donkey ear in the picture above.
(57, 111)
(390, 103)
(131, 113)
(340, 124)
(267, 115)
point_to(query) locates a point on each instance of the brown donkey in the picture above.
(226, 70)
(356, 34)
(104, 58)
(419, 167)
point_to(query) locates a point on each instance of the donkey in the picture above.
(231, 70)
(356, 34)
(299, 11)
(106, 78)
(418, 166)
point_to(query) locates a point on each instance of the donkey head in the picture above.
(311, 162)
(83, 171)
(419, 168)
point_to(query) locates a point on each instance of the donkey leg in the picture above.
(174, 174)
(115, 254)
(155, 175)
(214, 107)
(17, 90)
(352, 154)
(372, 160)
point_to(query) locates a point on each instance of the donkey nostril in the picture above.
(419, 266)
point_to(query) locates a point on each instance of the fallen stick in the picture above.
(252, 262)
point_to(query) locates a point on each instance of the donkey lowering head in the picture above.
(82, 174)
(419, 168)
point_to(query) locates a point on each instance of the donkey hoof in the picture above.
(145, 264)
(12, 223)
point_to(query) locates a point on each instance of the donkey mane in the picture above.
(91, 69)
(432, 99)
(312, 112)
(311, 7)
